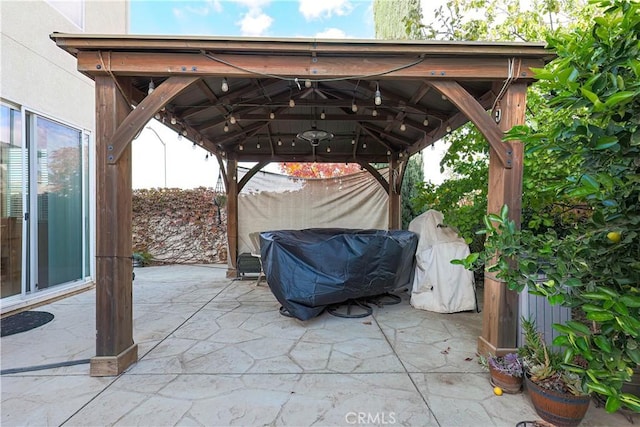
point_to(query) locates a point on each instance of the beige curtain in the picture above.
(271, 201)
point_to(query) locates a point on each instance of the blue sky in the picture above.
(254, 18)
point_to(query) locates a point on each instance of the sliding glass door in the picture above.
(12, 184)
(45, 203)
(58, 220)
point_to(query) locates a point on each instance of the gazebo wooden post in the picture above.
(394, 194)
(115, 349)
(232, 216)
(500, 313)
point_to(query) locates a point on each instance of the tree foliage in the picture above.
(463, 197)
(389, 15)
(411, 185)
(593, 266)
(318, 170)
(500, 20)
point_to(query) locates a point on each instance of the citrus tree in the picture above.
(463, 196)
(594, 265)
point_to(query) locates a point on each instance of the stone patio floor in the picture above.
(215, 351)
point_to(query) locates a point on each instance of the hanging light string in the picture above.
(511, 77)
(294, 79)
(108, 68)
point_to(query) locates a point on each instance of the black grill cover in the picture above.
(310, 269)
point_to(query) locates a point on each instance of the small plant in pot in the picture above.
(506, 372)
(557, 392)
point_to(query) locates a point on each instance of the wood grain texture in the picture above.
(109, 366)
(260, 64)
(232, 211)
(145, 110)
(114, 310)
(395, 217)
(500, 314)
(467, 104)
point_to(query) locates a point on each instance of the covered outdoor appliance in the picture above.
(307, 270)
(439, 285)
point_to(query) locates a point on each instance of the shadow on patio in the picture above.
(215, 351)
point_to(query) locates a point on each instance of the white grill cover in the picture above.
(439, 285)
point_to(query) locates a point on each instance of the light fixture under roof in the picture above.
(314, 136)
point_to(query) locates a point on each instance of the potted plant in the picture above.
(600, 350)
(142, 258)
(557, 393)
(505, 372)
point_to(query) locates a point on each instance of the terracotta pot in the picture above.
(508, 383)
(561, 409)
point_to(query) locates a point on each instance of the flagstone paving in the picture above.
(216, 352)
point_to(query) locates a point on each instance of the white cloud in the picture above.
(216, 5)
(332, 33)
(253, 4)
(178, 13)
(255, 23)
(204, 10)
(315, 9)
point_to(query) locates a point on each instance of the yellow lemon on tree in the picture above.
(497, 391)
(614, 236)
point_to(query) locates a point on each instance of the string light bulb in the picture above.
(272, 115)
(377, 97)
(307, 83)
(353, 141)
(184, 132)
(152, 87)
(225, 85)
(157, 116)
(279, 141)
(258, 145)
(241, 147)
(403, 127)
(323, 115)
(193, 147)
(448, 128)
(232, 119)
(292, 103)
(364, 145)
(374, 113)
(226, 127)
(425, 122)
(354, 106)
(328, 149)
(293, 142)
(174, 120)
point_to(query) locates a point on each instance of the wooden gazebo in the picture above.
(293, 100)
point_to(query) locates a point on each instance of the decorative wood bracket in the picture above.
(254, 170)
(144, 111)
(468, 105)
(374, 172)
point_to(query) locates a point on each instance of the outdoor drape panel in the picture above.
(271, 201)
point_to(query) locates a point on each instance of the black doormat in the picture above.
(24, 321)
